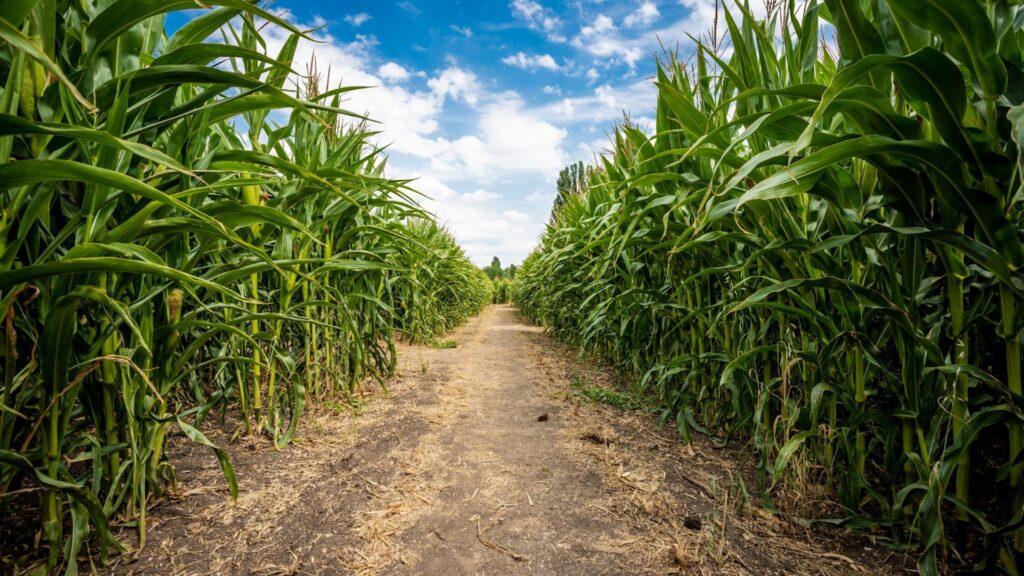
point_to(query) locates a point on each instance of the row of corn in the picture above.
(817, 249)
(188, 226)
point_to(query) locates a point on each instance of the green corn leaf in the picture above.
(223, 458)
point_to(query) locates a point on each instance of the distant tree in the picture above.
(494, 271)
(572, 180)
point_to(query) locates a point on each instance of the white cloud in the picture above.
(531, 62)
(645, 123)
(358, 20)
(589, 150)
(410, 117)
(480, 196)
(699, 20)
(467, 156)
(527, 9)
(602, 39)
(601, 25)
(410, 8)
(636, 39)
(520, 139)
(456, 83)
(538, 17)
(509, 139)
(393, 72)
(606, 104)
(541, 197)
(702, 15)
(482, 229)
(478, 151)
(645, 15)
(464, 31)
(515, 215)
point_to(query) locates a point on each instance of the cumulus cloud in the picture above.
(515, 215)
(498, 142)
(642, 30)
(509, 139)
(358, 20)
(602, 39)
(645, 15)
(531, 62)
(482, 229)
(541, 197)
(456, 83)
(521, 139)
(592, 148)
(393, 72)
(411, 117)
(480, 195)
(601, 25)
(469, 143)
(606, 103)
(539, 17)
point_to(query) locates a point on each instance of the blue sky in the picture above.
(485, 101)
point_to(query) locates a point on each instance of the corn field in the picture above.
(502, 290)
(187, 226)
(818, 251)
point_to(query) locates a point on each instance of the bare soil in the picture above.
(483, 459)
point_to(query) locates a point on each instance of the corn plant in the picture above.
(819, 250)
(502, 291)
(437, 292)
(187, 225)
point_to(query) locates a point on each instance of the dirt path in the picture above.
(483, 459)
